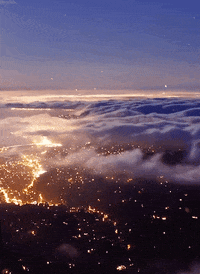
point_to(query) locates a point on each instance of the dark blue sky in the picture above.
(121, 44)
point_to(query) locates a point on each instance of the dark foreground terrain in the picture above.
(154, 229)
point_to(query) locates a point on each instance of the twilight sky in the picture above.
(107, 44)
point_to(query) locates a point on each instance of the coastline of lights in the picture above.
(18, 176)
(14, 177)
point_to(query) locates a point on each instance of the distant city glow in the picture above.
(26, 170)
(90, 95)
(46, 142)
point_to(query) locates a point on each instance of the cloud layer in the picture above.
(2, 2)
(145, 138)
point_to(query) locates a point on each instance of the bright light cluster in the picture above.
(18, 175)
(46, 142)
(14, 176)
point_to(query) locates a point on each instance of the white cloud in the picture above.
(89, 122)
(2, 2)
(127, 161)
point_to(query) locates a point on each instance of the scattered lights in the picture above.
(121, 267)
(25, 268)
(105, 216)
(9, 200)
(33, 167)
(19, 172)
(94, 210)
(194, 217)
(2, 149)
(158, 217)
(37, 169)
(6, 271)
(90, 209)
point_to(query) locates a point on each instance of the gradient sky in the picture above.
(107, 44)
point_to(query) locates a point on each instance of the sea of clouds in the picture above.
(159, 126)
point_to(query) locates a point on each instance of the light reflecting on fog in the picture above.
(46, 143)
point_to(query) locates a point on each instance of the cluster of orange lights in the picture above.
(31, 169)
(18, 175)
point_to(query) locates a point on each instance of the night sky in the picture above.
(105, 45)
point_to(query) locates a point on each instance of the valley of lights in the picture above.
(68, 218)
(18, 178)
(19, 173)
